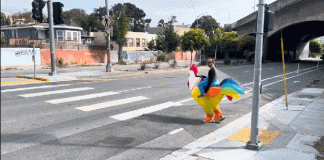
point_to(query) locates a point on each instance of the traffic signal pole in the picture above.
(52, 42)
(254, 144)
(108, 67)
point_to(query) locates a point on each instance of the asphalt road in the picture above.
(140, 117)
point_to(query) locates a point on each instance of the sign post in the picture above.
(254, 144)
(107, 30)
(33, 57)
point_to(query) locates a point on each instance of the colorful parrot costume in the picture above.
(228, 87)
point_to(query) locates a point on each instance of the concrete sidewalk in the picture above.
(126, 71)
(284, 133)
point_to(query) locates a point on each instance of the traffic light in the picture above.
(41, 5)
(37, 10)
(57, 12)
(268, 20)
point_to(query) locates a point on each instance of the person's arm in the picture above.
(211, 75)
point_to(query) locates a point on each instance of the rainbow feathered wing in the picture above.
(228, 87)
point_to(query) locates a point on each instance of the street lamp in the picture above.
(198, 19)
(229, 15)
(108, 66)
(197, 26)
(216, 44)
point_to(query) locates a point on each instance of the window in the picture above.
(69, 36)
(138, 42)
(14, 34)
(75, 36)
(143, 42)
(130, 44)
(72, 35)
(125, 44)
(60, 35)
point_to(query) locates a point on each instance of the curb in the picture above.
(29, 77)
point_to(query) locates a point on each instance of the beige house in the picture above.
(180, 31)
(136, 41)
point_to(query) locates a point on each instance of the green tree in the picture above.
(121, 26)
(162, 24)
(151, 45)
(168, 40)
(3, 19)
(207, 23)
(76, 15)
(195, 39)
(247, 43)
(229, 43)
(315, 48)
(27, 16)
(3, 41)
(136, 16)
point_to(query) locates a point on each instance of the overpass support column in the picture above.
(302, 50)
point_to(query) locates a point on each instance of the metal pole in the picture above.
(197, 23)
(254, 144)
(298, 68)
(34, 60)
(284, 70)
(108, 67)
(52, 41)
(317, 63)
(215, 51)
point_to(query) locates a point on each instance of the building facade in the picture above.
(62, 33)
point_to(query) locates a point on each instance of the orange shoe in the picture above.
(219, 119)
(209, 118)
(218, 116)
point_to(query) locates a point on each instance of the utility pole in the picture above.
(52, 41)
(108, 67)
(254, 144)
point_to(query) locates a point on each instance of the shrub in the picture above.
(121, 63)
(143, 66)
(161, 58)
(60, 62)
(313, 55)
(227, 61)
(203, 62)
(156, 65)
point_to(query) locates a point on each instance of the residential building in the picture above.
(179, 29)
(39, 33)
(136, 41)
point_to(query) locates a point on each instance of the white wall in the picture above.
(19, 56)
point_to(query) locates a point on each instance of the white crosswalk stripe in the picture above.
(55, 92)
(31, 88)
(139, 112)
(96, 95)
(78, 98)
(111, 103)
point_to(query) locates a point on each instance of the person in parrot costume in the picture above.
(209, 102)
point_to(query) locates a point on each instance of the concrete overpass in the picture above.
(299, 21)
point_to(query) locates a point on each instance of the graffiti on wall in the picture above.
(24, 53)
(137, 56)
(19, 56)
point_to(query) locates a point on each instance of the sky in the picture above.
(186, 11)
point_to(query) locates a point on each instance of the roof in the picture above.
(40, 26)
